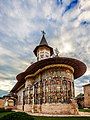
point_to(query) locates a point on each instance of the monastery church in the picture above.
(47, 86)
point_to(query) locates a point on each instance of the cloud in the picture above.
(4, 51)
(16, 20)
(80, 82)
(3, 92)
(7, 84)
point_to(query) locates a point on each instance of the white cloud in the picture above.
(7, 84)
(5, 51)
(85, 5)
(18, 21)
(87, 72)
(85, 16)
(78, 90)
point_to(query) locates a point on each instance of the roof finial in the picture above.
(43, 32)
(57, 52)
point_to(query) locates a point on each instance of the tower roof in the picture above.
(43, 43)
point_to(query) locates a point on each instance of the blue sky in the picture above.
(66, 22)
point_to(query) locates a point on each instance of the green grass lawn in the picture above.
(15, 116)
(4, 113)
(62, 118)
(24, 116)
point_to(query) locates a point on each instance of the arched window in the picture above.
(36, 93)
(64, 84)
(69, 90)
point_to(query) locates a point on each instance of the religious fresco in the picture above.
(54, 86)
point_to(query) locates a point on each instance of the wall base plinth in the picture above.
(53, 108)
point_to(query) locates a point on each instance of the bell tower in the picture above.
(43, 50)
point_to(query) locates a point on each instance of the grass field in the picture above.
(4, 113)
(19, 116)
(62, 118)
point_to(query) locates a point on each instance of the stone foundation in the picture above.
(19, 107)
(28, 108)
(55, 108)
(59, 109)
(52, 108)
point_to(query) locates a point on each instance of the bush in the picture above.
(2, 110)
(5, 110)
(17, 116)
(84, 110)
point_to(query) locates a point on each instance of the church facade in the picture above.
(47, 86)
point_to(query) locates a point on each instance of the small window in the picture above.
(47, 54)
(19, 99)
(41, 56)
(41, 52)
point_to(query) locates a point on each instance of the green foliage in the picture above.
(4, 113)
(84, 110)
(5, 110)
(17, 116)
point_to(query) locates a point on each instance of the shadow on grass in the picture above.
(16, 116)
(25, 116)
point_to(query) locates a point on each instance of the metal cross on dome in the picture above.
(43, 32)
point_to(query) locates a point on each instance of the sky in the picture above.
(67, 27)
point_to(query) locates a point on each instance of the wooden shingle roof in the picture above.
(79, 68)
